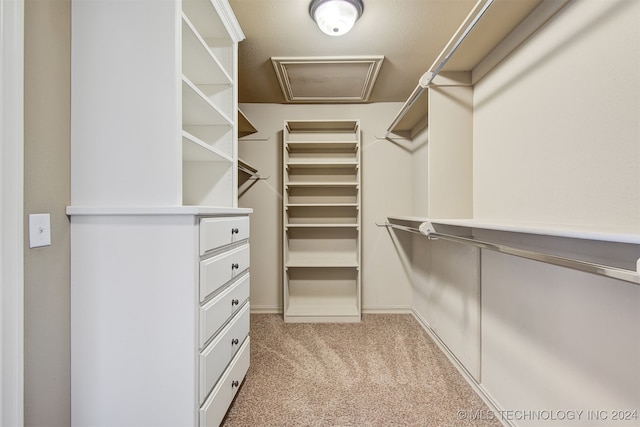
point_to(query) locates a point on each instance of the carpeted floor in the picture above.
(384, 371)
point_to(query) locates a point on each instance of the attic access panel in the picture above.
(327, 79)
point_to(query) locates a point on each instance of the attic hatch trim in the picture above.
(300, 78)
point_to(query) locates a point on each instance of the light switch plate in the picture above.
(39, 230)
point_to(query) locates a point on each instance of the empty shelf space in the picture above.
(321, 215)
(195, 150)
(207, 183)
(322, 126)
(198, 62)
(332, 163)
(322, 292)
(322, 246)
(322, 176)
(206, 22)
(218, 137)
(350, 146)
(325, 205)
(320, 225)
(321, 208)
(351, 184)
(310, 309)
(318, 262)
(321, 157)
(198, 109)
(325, 195)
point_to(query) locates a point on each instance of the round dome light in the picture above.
(336, 17)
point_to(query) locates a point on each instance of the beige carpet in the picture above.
(384, 371)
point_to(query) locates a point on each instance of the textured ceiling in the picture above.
(408, 33)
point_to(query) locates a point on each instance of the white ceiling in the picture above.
(408, 33)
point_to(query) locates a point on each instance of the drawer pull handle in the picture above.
(234, 341)
(235, 266)
(235, 302)
(234, 231)
(234, 384)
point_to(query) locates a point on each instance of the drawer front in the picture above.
(215, 313)
(218, 270)
(217, 355)
(213, 410)
(218, 232)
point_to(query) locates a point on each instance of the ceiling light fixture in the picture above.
(336, 17)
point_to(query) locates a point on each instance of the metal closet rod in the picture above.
(428, 77)
(588, 267)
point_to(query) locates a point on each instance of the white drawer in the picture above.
(213, 410)
(219, 269)
(217, 355)
(217, 232)
(215, 313)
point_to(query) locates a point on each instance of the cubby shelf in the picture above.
(321, 164)
(316, 262)
(321, 221)
(199, 63)
(323, 184)
(319, 225)
(323, 145)
(294, 205)
(196, 150)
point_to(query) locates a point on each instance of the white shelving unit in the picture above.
(160, 250)
(321, 221)
(209, 110)
(155, 105)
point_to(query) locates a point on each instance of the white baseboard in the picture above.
(265, 309)
(387, 310)
(272, 309)
(477, 387)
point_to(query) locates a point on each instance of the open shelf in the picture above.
(320, 225)
(199, 63)
(321, 208)
(195, 150)
(305, 146)
(300, 184)
(207, 22)
(321, 176)
(322, 294)
(198, 109)
(319, 262)
(245, 127)
(322, 195)
(316, 164)
(335, 127)
(480, 49)
(321, 215)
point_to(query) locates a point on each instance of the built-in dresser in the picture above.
(159, 249)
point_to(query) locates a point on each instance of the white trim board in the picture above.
(11, 213)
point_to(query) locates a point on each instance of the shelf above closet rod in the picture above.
(427, 229)
(443, 58)
(249, 170)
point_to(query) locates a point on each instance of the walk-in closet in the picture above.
(320, 213)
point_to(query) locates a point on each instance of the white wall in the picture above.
(556, 139)
(11, 213)
(556, 126)
(386, 189)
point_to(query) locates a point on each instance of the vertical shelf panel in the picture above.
(209, 75)
(321, 221)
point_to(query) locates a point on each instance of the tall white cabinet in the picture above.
(321, 221)
(160, 250)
